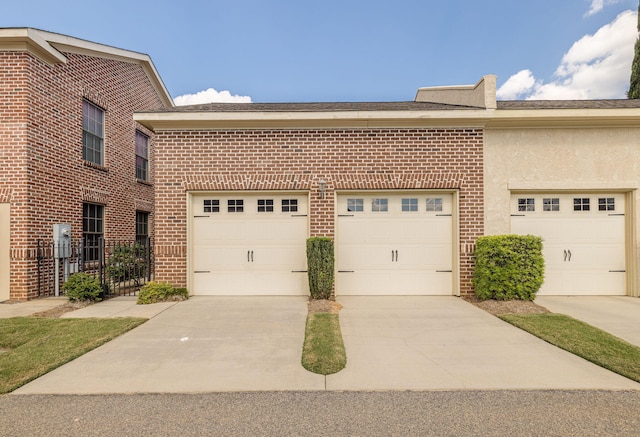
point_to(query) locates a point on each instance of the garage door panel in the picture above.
(249, 252)
(584, 249)
(395, 252)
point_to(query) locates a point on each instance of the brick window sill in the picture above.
(143, 182)
(96, 166)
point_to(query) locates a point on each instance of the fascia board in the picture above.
(558, 118)
(33, 42)
(49, 47)
(261, 120)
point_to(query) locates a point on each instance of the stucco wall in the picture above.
(570, 159)
(555, 159)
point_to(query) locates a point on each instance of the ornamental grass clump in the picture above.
(508, 267)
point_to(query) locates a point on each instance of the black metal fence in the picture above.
(122, 267)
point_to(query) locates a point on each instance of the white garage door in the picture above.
(583, 237)
(249, 244)
(394, 243)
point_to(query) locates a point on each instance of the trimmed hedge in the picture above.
(508, 267)
(320, 261)
(154, 292)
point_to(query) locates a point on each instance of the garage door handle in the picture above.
(249, 256)
(444, 271)
(346, 271)
(569, 252)
(202, 271)
(298, 271)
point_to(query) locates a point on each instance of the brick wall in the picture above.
(296, 159)
(41, 150)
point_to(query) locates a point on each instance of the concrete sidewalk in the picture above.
(617, 315)
(23, 309)
(210, 344)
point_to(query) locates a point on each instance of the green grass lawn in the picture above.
(582, 339)
(31, 346)
(323, 351)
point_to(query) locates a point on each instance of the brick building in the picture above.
(404, 189)
(70, 151)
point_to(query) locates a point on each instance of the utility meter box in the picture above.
(62, 240)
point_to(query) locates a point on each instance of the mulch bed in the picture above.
(500, 307)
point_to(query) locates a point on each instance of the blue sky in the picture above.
(353, 50)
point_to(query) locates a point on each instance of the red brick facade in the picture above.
(44, 177)
(295, 159)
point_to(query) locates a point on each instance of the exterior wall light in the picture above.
(322, 187)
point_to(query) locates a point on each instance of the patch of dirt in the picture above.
(323, 306)
(54, 313)
(500, 307)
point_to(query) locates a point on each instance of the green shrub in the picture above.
(320, 262)
(161, 292)
(127, 262)
(508, 267)
(82, 287)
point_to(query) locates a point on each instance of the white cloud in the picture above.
(597, 66)
(210, 96)
(598, 5)
(518, 84)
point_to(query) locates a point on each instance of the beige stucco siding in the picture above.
(569, 159)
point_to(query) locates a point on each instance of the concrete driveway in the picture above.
(209, 344)
(618, 315)
(204, 344)
(443, 343)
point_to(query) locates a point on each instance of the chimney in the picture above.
(482, 94)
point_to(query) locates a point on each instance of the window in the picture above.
(355, 205)
(409, 205)
(551, 204)
(265, 205)
(606, 204)
(526, 205)
(289, 205)
(581, 204)
(379, 205)
(92, 133)
(142, 227)
(434, 204)
(92, 230)
(235, 205)
(142, 156)
(211, 205)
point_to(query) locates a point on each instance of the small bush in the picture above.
(320, 262)
(508, 267)
(82, 287)
(161, 292)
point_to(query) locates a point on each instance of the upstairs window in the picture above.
(142, 156)
(92, 133)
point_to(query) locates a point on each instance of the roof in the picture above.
(50, 47)
(317, 107)
(569, 104)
